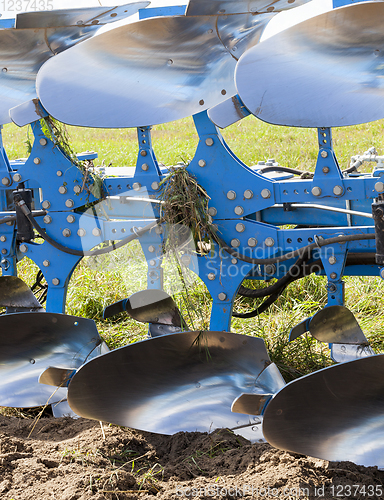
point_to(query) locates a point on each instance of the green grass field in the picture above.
(96, 284)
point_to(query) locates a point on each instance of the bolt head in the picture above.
(143, 153)
(222, 296)
(332, 260)
(240, 228)
(211, 276)
(81, 232)
(96, 231)
(269, 242)
(270, 269)
(248, 194)
(252, 242)
(46, 263)
(36, 161)
(4, 251)
(324, 154)
(144, 167)
(46, 204)
(379, 187)
(77, 189)
(382, 273)
(212, 211)
(59, 173)
(209, 141)
(326, 170)
(71, 218)
(151, 249)
(47, 219)
(234, 261)
(231, 195)
(3, 238)
(17, 177)
(66, 232)
(338, 190)
(333, 276)
(55, 281)
(235, 243)
(6, 181)
(69, 203)
(316, 191)
(136, 186)
(265, 193)
(43, 141)
(202, 163)
(158, 230)
(239, 210)
(62, 189)
(152, 262)
(155, 186)
(23, 248)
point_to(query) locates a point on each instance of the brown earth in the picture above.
(65, 459)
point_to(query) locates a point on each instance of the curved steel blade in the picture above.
(324, 72)
(178, 382)
(30, 343)
(87, 16)
(152, 71)
(228, 112)
(23, 51)
(335, 414)
(15, 294)
(153, 306)
(217, 7)
(336, 324)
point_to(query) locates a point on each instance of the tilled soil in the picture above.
(66, 459)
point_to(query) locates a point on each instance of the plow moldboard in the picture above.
(178, 382)
(335, 414)
(30, 343)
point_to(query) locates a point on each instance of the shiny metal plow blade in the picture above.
(148, 72)
(32, 342)
(16, 295)
(324, 72)
(178, 382)
(88, 16)
(335, 414)
(224, 7)
(336, 324)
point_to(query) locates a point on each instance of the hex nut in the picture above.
(63, 190)
(269, 242)
(46, 263)
(136, 186)
(145, 167)
(338, 190)
(6, 181)
(316, 191)
(71, 218)
(55, 281)
(248, 194)
(252, 242)
(239, 210)
(265, 193)
(47, 219)
(235, 243)
(324, 154)
(67, 232)
(81, 232)
(240, 227)
(209, 141)
(222, 296)
(69, 203)
(231, 195)
(17, 177)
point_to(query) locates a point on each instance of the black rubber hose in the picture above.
(81, 253)
(288, 170)
(300, 251)
(352, 260)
